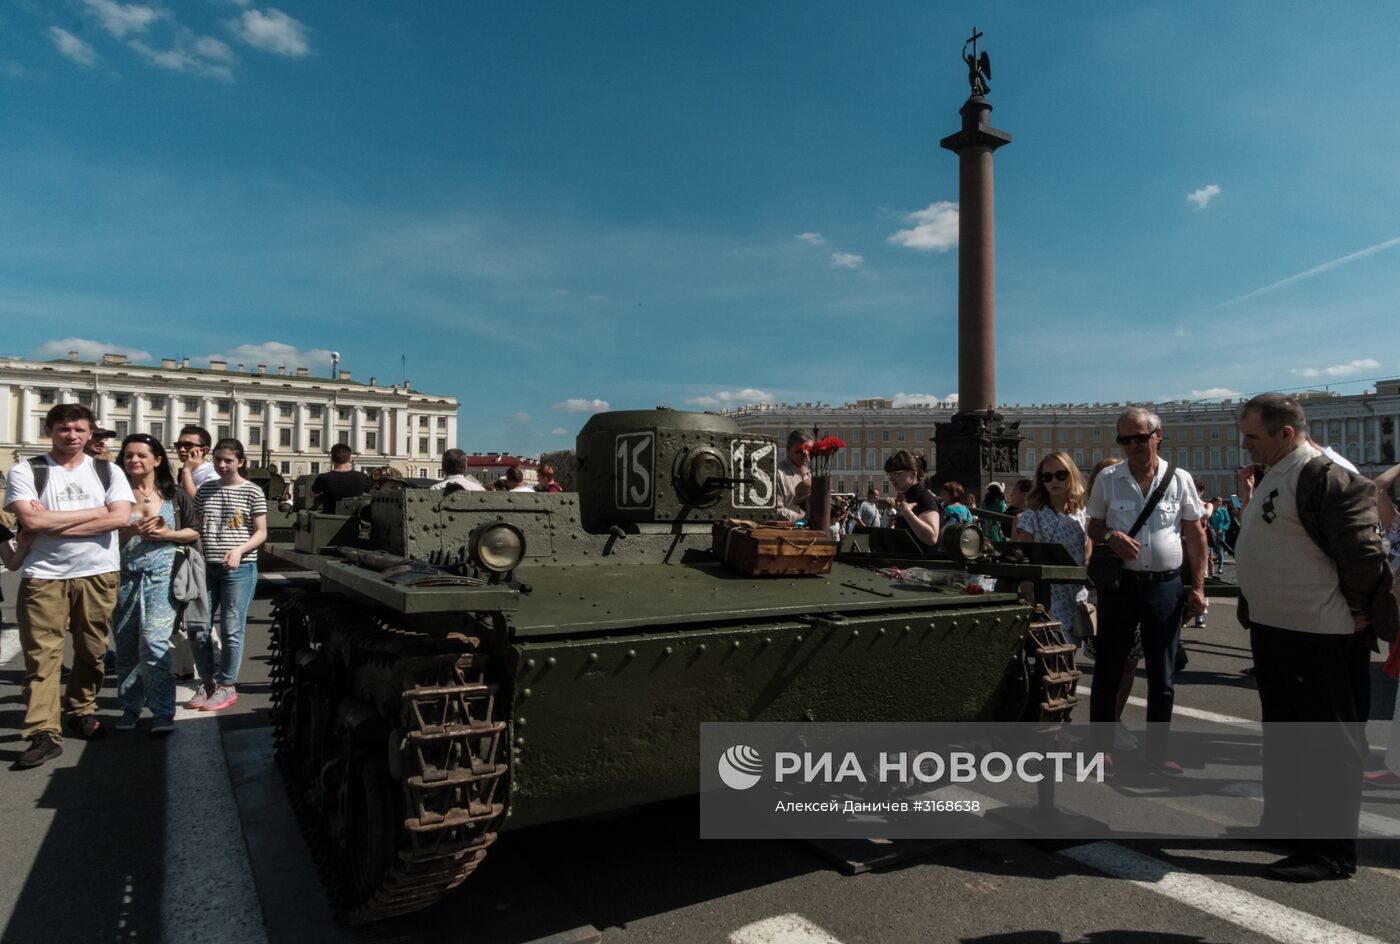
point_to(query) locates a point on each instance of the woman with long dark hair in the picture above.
(161, 520)
(915, 509)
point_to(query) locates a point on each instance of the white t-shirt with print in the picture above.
(55, 557)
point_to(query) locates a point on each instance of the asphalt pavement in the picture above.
(136, 839)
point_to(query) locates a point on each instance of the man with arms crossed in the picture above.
(69, 578)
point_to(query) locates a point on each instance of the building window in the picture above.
(900, 435)
(255, 409)
(284, 438)
(1030, 458)
(371, 440)
(1200, 457)
(343, 437)
(223, 406)
(1079, 458)
(315, 467)
(423, 443)
(85, 398)
(47, 395)
(1063, 435)
(442, 422)
(1196, 434)
(1098, 435)
(255, 436)
(122, 401)
(372, 414)
(223, 431)
(870, 458)
(315, 438)
(1181, 457)
(158, 431)
(343, 413)
(1098, 456)
(1079, 435)
(284, 409)
(884, 435)
(1234, 458)
(422, 422)
(286, 467)
(1045, 435)
(1215, 457)
(157, 401)
(39, 428)
(1215, 432)
(191, 404)
(442, 444)
(120, 427)
(314, 411)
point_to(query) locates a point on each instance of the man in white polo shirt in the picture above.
(1314, 583)
(69, 578)
(1151, 594)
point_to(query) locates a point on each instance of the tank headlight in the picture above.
(962, 542)
(499, 548)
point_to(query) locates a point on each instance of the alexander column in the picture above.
(976, 444)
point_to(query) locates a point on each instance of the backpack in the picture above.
(41, 473)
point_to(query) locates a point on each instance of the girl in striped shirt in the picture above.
(233, 521)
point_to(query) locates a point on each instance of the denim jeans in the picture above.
(1155, 607)
(142, 622)
(230, 593)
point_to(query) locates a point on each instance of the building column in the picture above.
(385, 447)
(206, 414)
(104, 409)
(65, 395)
(269, 411)
(138, 413)
(403, 435)
(328, 426)
(25, 427)
(172, 420)
(299, 428)
(357, 419)
(452, 431)
(237, 419)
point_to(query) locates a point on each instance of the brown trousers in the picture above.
(47, 609)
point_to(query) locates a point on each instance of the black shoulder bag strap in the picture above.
(1153, 499)
(40, 466)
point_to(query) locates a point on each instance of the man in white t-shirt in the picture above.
(868, 513)
(69, 579)
(454, 471)
(515, 480)
(1151, 594)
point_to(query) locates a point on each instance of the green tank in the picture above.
(474, 662)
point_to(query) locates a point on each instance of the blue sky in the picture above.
(543, 208)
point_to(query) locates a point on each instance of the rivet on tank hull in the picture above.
(551, 661)
(593, 657)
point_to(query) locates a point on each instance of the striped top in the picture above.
(226, 517)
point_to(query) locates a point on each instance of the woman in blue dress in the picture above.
(162, 520)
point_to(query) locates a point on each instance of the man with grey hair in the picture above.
(794, 476)
(1150, 537)
(1314, 592)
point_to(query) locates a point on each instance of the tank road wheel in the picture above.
(361, 815)
(289, 635)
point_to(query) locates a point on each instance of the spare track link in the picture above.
(1054, 658)
(431, 691)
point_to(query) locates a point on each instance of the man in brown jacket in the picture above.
(1314, 593)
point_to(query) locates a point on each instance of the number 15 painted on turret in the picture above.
(635, 468)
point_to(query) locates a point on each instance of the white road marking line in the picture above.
(1386, 827)
(783, 929)
(208, 879)
(1243, 909)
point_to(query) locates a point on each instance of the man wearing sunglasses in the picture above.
(1151, 594)
(192, 448)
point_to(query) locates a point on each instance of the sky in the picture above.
(548, 209)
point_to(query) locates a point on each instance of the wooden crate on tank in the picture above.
(772, 549)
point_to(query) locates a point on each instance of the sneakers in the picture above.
(127, 722)
(86, 727)
(1167, 768)
(9, 644)
(1199, 621)
(222, 697)
(162, 726)
(201, 697)
(1124, 740)
(1381, 778)
(42, 747)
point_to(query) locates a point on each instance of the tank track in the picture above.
(1054, 660)
(387, 740)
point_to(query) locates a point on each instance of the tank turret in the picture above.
(663, 467)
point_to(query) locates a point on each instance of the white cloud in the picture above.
(521, 418)
(1203, 196)
(203, 56)
(1339, 370)
(812, 239)
(910, 399)
(274, 354)
(88, 350)
(559, 431)
(581, 405)
(732, 398)
(72, 47)
(119, 19)
(935, 228)
(273, 31)
(847, 260)
(1213, 393)
(1315, 270)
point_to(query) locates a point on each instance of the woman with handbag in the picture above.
(1055, 515)
(146, 607)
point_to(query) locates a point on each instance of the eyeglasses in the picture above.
(1137, 439)
(1048, 477)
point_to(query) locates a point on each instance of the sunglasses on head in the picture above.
(1137, 439)
(1048, 477)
